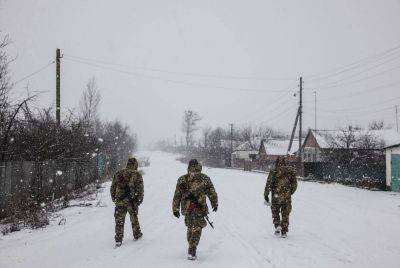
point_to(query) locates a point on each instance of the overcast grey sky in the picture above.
(231, 61)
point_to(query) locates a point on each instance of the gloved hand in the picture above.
(267, 203)
(215, 208)
(177, 214)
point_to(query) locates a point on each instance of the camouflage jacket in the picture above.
(282, 183)
(127, 186)
(190, 194)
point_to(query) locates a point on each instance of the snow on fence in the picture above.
(21, 181)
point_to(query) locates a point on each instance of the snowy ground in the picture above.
(331, 226)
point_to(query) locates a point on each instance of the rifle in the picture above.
(197, 203)
(209, 222)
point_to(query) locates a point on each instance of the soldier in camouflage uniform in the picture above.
(127, 194)
(190, 197)
(282, 184)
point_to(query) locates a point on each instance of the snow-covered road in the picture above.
(331, 226)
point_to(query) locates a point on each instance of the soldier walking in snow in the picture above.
(190, 197)
(127, 194)
(282, 184)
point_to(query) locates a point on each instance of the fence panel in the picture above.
(43, 181)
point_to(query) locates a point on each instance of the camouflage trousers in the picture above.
(194, 224)
(280, 214)
(119, 215)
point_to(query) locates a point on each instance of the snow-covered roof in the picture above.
(252, 145)
(388, 136)
(280, 147)
(246, 146)
(325, 138)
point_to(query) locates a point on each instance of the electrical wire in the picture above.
(358, 111)
(34, 73)
(284, 112)
(361, 72)
(181, 73)
(359, 80)
(353, 65)
(276, 103)
(176, 81)
(357, 93)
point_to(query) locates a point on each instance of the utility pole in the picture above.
(315, 123)
(58, 94)
(301, 126)
(293, 132)
(397, 119)
(231, 125)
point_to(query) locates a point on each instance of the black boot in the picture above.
(192, 254)
(284, 234)
(138, 236)
(278, 230)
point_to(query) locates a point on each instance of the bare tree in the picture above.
(376, 125)
(89, 104)
(369, 140)
(206, 133)
(5, 83)
(189, 125)
(346, 138)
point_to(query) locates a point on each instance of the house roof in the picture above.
(392, 146)
(325, 138)
(246, 146)
(279, 147)
(252, 145)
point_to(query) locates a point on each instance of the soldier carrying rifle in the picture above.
(190, 198)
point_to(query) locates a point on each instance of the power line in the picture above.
(219, 76)
(176, 81)
(34, 73)
(275, 117)
(362, 71)
(354, 64)
(358, 111)
(367, 106)
(276, 103)
(361, 92)
(359, 80)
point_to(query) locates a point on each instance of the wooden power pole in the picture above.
(397, 119)
(301, 127)
(231, 125)
(58, 93)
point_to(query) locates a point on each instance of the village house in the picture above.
(243, 154)
(271, 149)
(320, 142)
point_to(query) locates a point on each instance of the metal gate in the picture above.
(395, 172)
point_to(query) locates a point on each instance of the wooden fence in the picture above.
(44, 181)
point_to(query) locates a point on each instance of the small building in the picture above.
(271, 149)
(243, 154)
(393, 167)
(244, 151)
